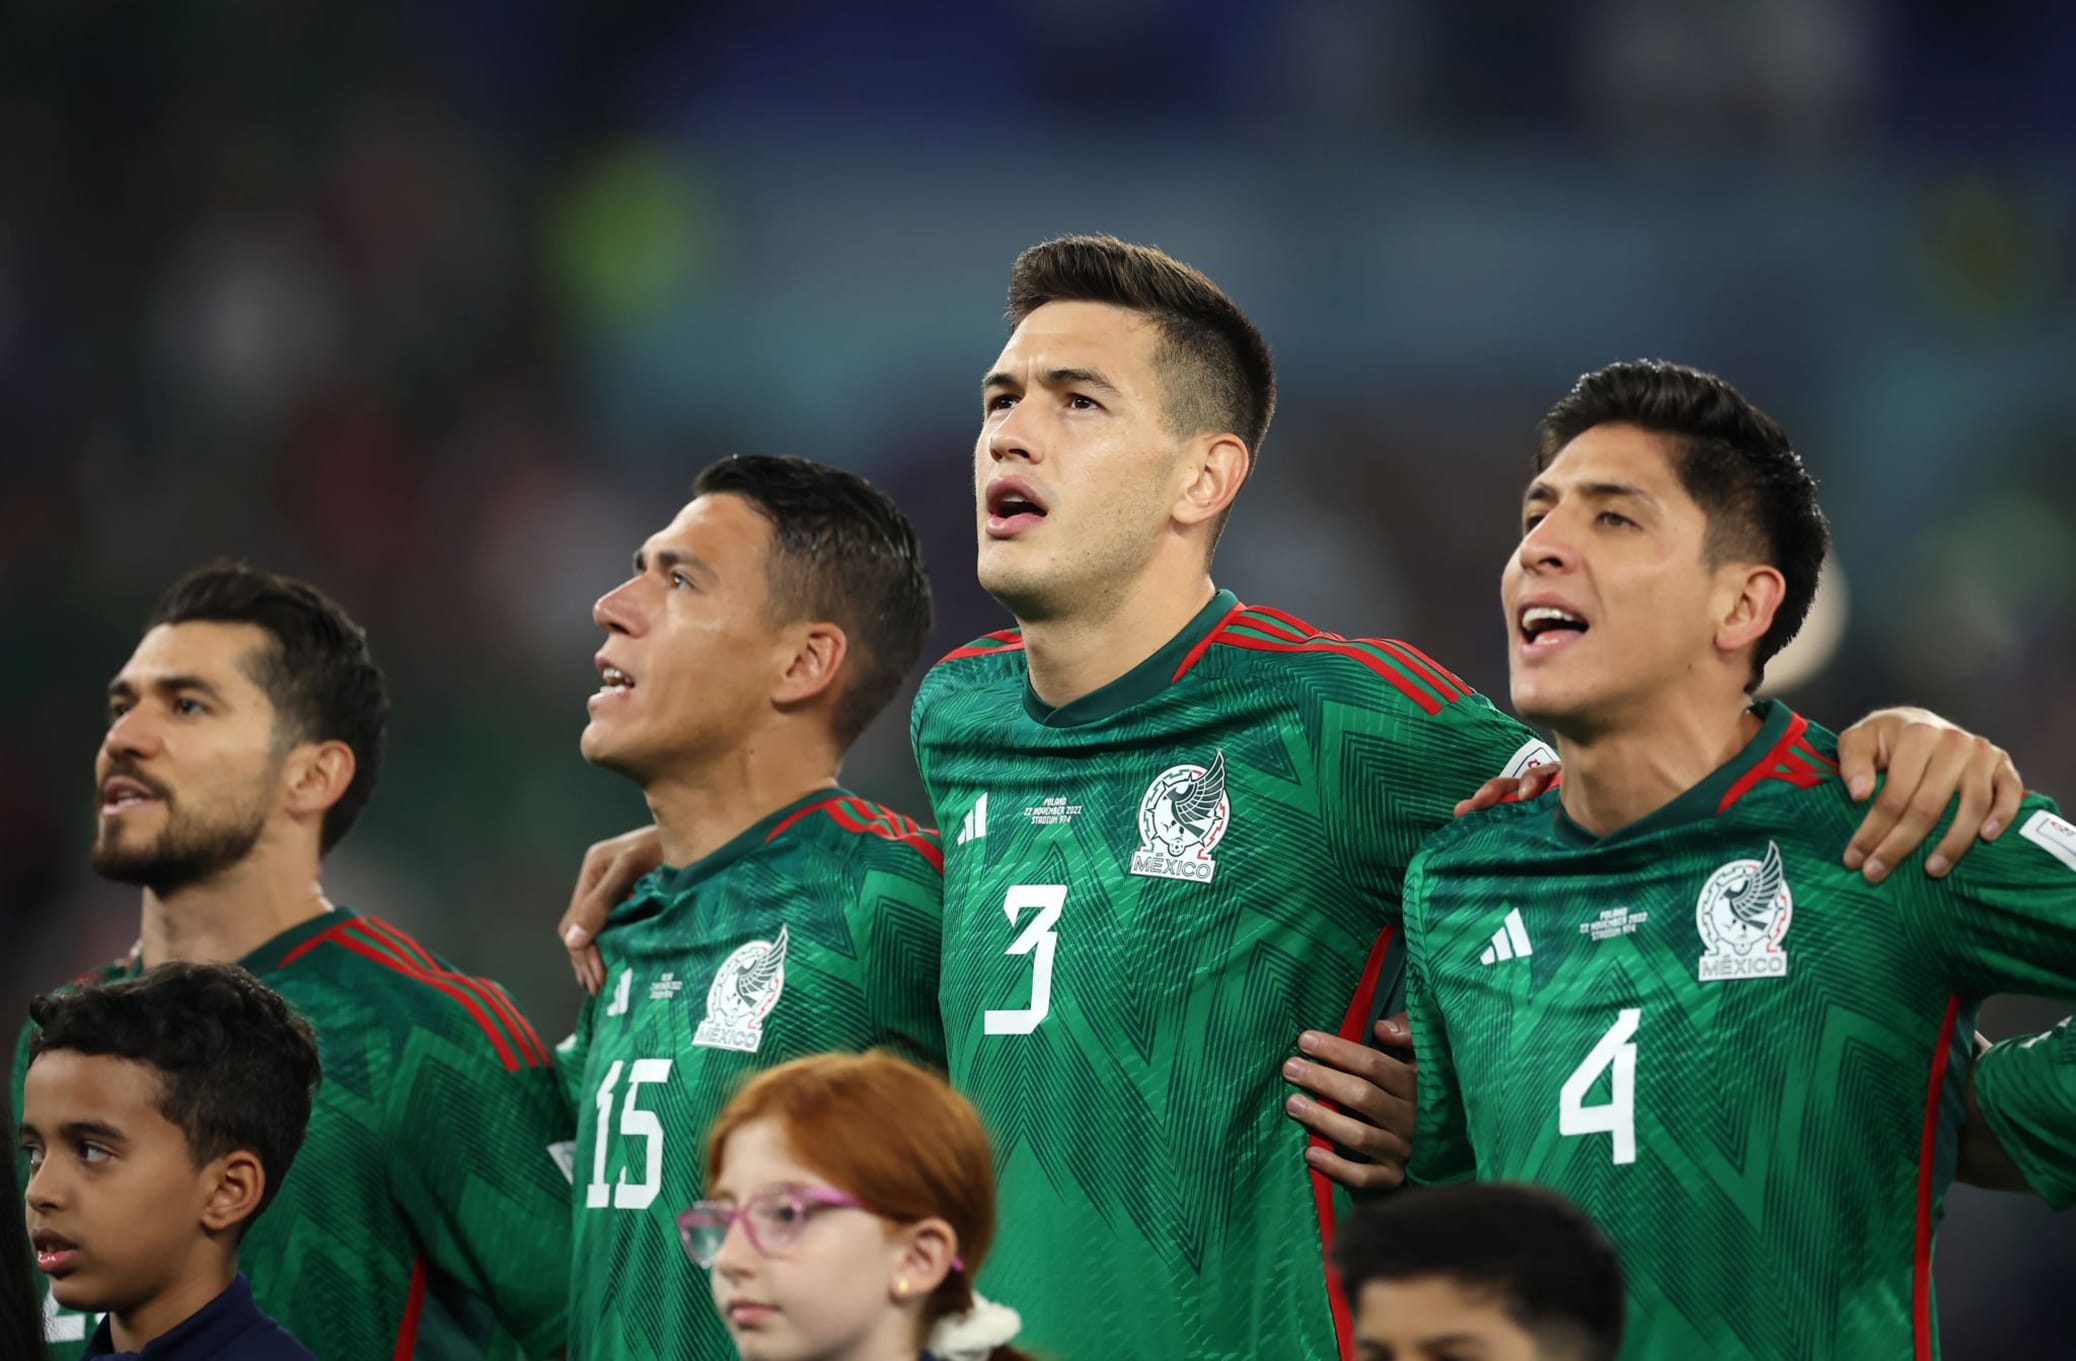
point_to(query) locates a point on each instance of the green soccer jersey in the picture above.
(814, 930)
(427, 1215)
(1148, 893)
(1745, 1062)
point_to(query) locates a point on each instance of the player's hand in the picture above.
(1529, 784)
(611, 869)
(1929, 762)
(1374, 1095)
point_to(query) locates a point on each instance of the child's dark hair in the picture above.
(237, 1064)
(1531, 1250)
(21, 1308)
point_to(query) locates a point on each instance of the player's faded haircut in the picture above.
(317, 672)
(1530, 1249)
(1216, 370)
(844, 552)
(1731, 457)
(237, 1064)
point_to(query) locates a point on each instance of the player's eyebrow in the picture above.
(1053, 378)
(121, 688)
(1598, 491)
(667, 558)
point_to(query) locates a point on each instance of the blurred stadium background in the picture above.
(442, 304)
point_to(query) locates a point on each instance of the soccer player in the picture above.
(1177, 829)
(243, 741)
(762, 629)
(1500, 1273)
(1121, 981)
(1656, 990)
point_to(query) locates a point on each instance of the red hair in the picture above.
(891, 1134)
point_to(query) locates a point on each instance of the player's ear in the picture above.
(316, 775)
(1750, 597)
(923, 1256)
(231, 1189)
(1213, 467)
(817, 652)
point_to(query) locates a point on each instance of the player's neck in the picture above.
(1079, 652)
(130, 1329)
(1628, 771)
(703, 807)
(228, 916)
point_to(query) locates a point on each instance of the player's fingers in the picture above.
(1858, 748)
(1338, 1127)
(1927, 804)
(1370, 1066)
(1537, 779)
(2008, 789)
(1354, 1175)
(1489, 793)
(1368, 1100)
(1907, 759)
(1969, 813)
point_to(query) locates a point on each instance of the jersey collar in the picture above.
(672, 880)
(1702, 800)
(1137, 685)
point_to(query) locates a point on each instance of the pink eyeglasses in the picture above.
(774, 1219)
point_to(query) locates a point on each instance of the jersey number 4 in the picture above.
(1038, 940)
(635, 1123)
(1617, 1115)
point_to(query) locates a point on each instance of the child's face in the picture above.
(818, 1295)
(114, 1202)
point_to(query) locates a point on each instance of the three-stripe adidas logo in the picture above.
(1508, 942)
(976, 824)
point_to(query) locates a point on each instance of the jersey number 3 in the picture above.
(1616, 1116)
(635, 1123)
(1037, 940)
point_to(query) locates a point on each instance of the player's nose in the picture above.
(1545, 548)
(1014, 437)
(617, 611)
(134, 734)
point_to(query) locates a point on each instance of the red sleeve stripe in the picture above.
(868, 819)
(490, 993)
(1322, 1189)
(414, 1303)
(1445, 685)
(1444, 672)
(1293, 621)
(1003, 640)
(1921, 1264)
(1196, 654)
(394, 950)
(1410, 688)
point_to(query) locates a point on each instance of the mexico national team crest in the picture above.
(745, 989)
(1743, 912)
(1182, 818)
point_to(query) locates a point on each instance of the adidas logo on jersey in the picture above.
(976, 824)
(1508, 942)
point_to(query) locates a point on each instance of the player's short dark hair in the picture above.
(1731, 457)
(1545, 1262)
(318, 674)
(1216, 370)
(844, 552)
(237, 1064)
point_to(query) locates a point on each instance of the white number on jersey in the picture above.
(1038, 940)
(618, 1006)
(1617, 1116)
(635, 1123)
